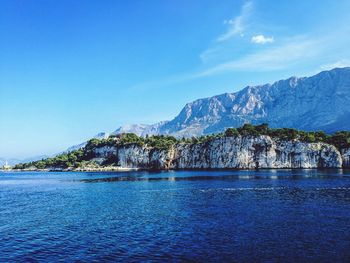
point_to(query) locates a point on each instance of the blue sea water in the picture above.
(192, 216)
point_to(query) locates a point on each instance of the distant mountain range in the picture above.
(13, 161)
(320, 102)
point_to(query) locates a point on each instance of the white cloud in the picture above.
(236, 25)
(293, 51)
(261, 39)
(208, 54)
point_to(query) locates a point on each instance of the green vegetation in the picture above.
(231, 132)
(82, 157)
(155, 141)
(339, 139)
(75, 159)
(160, 142)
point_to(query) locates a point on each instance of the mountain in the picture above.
(141, 129)
(101, 135)
(138, 129)
(320, 102)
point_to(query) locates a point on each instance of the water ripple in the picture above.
(241, 216)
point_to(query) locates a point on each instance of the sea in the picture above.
(176, 216)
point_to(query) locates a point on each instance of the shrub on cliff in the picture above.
(131, 138)
(231, 132)
(93, 143)
(161, 141)
(64, 160)
(284, 133)
(340, 139)
(248, 130)
(262, 129)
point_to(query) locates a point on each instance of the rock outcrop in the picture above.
(241, 152)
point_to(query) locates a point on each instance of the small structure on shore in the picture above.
(6, 166)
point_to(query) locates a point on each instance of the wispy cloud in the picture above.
(337, 64)
(209, 53)
(261, 39)
(236, 25)
(292, 51)
(229, 53)
(277, 57)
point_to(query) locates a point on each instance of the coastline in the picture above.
(128, 169)
(248, 147)
(87, 169)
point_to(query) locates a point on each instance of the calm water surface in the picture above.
(221, 216)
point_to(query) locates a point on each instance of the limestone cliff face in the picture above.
(228, 152)
(346, 157)
(135, 156)
(258, 152)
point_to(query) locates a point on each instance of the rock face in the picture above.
(346, 157)
(228, 152)
(259, 152)
(320, 102)
(135, 156)
(141, 129)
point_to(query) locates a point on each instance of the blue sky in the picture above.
(70, 69)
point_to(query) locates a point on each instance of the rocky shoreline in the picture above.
(80, 169)
(246, 153)
(120, 169)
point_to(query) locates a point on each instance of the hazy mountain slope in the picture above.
(13, 161)
(101, 135)
(138, 129)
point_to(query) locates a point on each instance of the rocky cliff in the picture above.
(346, 157)
(241, 152)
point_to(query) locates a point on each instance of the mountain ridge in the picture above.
(318, 102)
